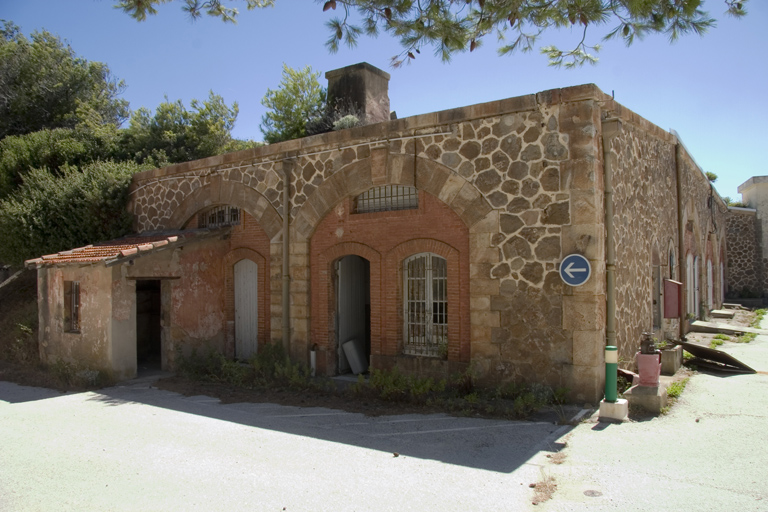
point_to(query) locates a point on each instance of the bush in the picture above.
(54, 213)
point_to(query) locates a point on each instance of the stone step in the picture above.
(723, 313)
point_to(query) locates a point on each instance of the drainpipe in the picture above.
(287, 168)
(610, 129)
(680, 237)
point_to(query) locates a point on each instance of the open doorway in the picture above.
(353, 314)
(148, 325)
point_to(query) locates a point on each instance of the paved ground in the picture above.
(137, 448)
(709, 453)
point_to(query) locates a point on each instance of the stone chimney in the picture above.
(362, 85)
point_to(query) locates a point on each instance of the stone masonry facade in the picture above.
(746, 265)
(515, 185)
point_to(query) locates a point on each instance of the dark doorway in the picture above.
(148, 326)
(353, 314)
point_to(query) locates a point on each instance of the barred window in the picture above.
(219, 216)
(386, 199)
(426, 305)
(72, 306)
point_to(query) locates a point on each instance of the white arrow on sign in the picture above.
(569, 270)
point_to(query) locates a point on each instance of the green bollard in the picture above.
(611, 373)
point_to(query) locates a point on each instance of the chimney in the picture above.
(363, 86)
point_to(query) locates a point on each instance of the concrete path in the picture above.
(709, 453)
(135, 448)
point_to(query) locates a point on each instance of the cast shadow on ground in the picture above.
(493, 445)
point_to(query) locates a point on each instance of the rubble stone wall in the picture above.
(745, 266)
(645, 226)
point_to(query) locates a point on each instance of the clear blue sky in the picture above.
(713, 90)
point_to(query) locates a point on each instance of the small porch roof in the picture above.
(114, 252)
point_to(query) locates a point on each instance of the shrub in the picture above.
(54, 213)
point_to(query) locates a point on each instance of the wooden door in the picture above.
(246, 309)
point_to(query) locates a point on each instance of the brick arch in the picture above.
(225, 192)
(432, 177)
(458, 302)
(324, 303)
(228, 263)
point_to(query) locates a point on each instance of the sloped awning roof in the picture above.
(126, 248)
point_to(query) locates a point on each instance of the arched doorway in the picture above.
(353, 314)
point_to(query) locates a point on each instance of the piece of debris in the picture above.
(395, 454)
(715, 359)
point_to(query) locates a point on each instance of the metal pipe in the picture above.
(610, 129)
(287, 169)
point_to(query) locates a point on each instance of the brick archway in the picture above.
(324, 301)
(228, 263)
(224, 192)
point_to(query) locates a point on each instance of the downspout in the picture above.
(287, 169)
(680, 238)
(610, 129)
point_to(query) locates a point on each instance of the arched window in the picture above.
(425, 305)
(219, 216)
(672, 263)
(387, 199)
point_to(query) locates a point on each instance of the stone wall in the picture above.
(642, 163)
(524, 176)
(745, 262)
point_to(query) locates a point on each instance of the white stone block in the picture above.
(614, 411)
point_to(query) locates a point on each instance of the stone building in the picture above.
(431, 243)
(747, 272)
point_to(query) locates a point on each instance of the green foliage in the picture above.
(45, 85)
(759, 315)
(270, 367)
(745, 338)
(139, 9)
(712, 177)
(722, 337)
(297, 102)
(174, 134)
(454, 26)
(23, 349)
(676, 388)
(72, 375)
(52, 149)
(715, 343)
(53, 213)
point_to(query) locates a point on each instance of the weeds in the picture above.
(544, 488)
(745, 338)
(72, 375)
(715, 343)
(722, 337)
(271, 368)
(676, 388)
(759, 314)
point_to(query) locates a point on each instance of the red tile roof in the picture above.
(128, 247)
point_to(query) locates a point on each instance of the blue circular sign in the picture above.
(575, 270)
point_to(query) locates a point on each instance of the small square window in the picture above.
(72, 306)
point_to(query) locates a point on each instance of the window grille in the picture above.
(386, 199)
(72, 306)
(426, 305)
(219, 216)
